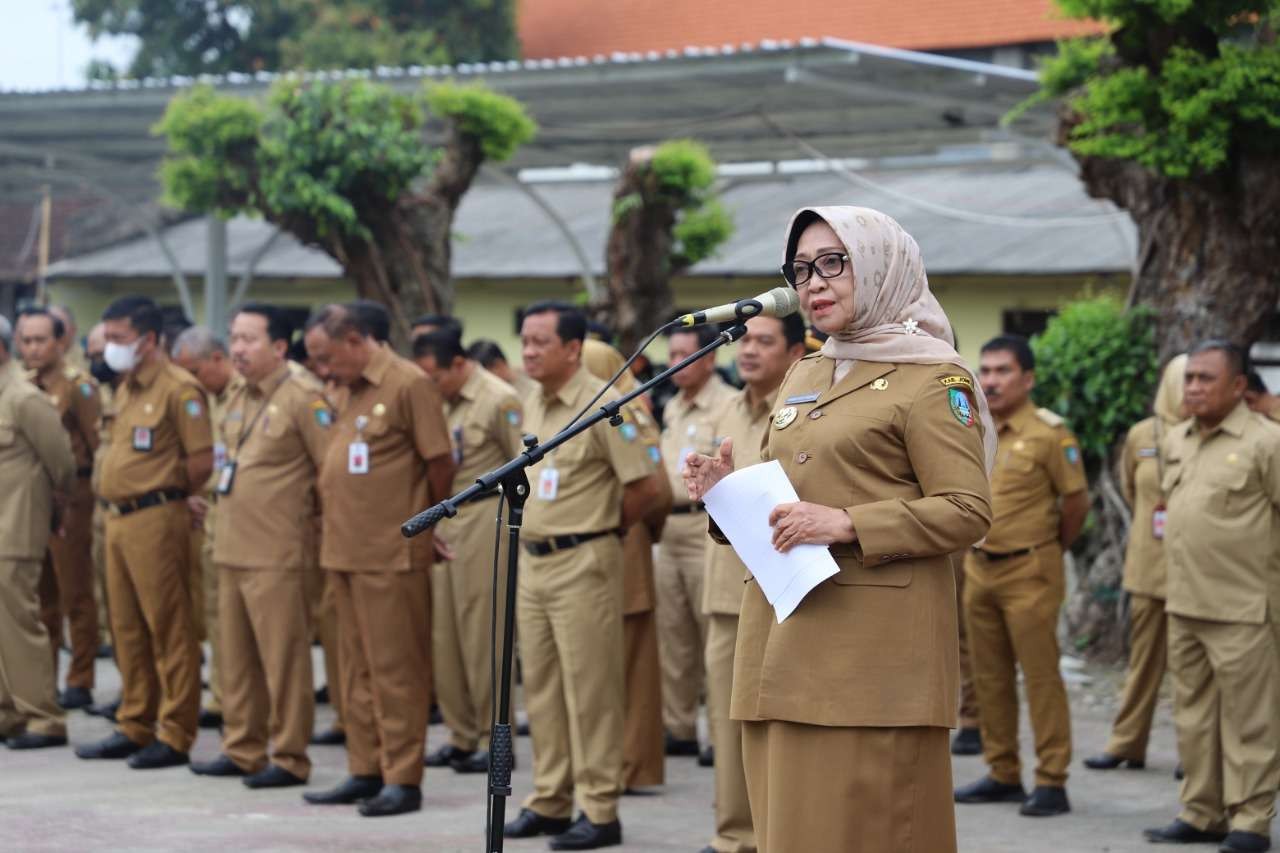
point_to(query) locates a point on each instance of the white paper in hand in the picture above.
(740, 505)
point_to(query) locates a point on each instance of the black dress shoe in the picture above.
(522, 729)
(1178, 773)
(106, 652)
(273, 776)
(353, 789)
(1239, 841)
(75, 697)
(209, 720)
(967, 742)
(31, 740)
(106, 710)
(1180, 832)
(529, 823)
(393, 800)
(114, 745)
(322, 695)
(678, 747)
(707, 758)
(1046, 801)
(585, 835)
(476, 762)
(1107, 761)
(329, 737)
(434, 717)
(220, 766)
(446, 755)
(156, 755)
(988, 790)
(708, 849)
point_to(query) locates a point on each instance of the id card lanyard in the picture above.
(227, 477)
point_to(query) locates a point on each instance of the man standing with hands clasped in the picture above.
(1222, 484)
(1014, 585)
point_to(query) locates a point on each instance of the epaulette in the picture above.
(811, 355)
(1053, 419)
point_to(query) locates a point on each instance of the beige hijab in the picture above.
(1168, 404)
(896, 318)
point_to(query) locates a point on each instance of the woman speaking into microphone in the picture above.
(885, 435)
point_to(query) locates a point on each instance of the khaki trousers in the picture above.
(734, 831)
(384, 625)
(569, 617)
(204, 602)
(682, 627)
(267, 688)
(326, 622)
(148, 581)
(1148, 647)
(826, 789)
(1011, 614)
(968, 713)
(68, 590)
(100, 574)
(28, 700)
(462, 624)
(643, 747)
(1226, 688)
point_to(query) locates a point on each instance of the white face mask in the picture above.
(121, 357)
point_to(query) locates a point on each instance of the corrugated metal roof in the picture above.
(502, 234)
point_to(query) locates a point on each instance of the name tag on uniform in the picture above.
(358, 458)
(226, 476)
(801, 398)
(1146, 452)
(142, 438)
(548, 484)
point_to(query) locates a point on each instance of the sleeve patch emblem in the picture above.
(628, 431)
(654, 456)
(956, 381)
(513, 417)
(193, 408)
(960, 407)
(86, 390)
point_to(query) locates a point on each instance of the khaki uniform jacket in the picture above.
(484, 426)
(74, 394)
(1037, 461)
(276, 435)
(398, 413)
(899, 447)
(1140, 464)
(35, 461)
(688, 428)
(747, 425)
(638, 592)
(161, 419)
(1224, 523)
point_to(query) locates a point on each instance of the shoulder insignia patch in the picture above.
(512, 416)
(960, 408)
(628, 432)
(193, 408)
(654, 455)
(1071, 450)
(86, 390)
(956, 380)
(1053, 419)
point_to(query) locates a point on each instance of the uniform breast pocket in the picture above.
(1229, 485)
(376, 428)
(140, 432)
(895, 574)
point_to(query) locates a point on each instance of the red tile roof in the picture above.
(555, 28)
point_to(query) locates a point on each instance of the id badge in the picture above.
(142, 438)
(358, 458)
(226, 477)
(219, 455)
(548, 484)
(1158, 518)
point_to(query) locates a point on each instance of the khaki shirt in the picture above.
(875, 645)
(276, 433)
(639, 594)
(74, 394)
(688, 428)
(35, 461)
(577, 488)
(484, 426)
(1140, 464)
(1223, 534)
(106, 421)
(1037, 461)
(217, 416)
(398, 413)
(161, 419)
(747, 425)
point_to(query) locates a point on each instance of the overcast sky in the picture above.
(41, 47)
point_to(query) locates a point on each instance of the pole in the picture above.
(215, 275)
(42, 256)
(515, 485)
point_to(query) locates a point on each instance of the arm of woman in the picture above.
(954, 509)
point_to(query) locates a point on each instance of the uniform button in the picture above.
(886, 558)
(802, 457)
(815, 414)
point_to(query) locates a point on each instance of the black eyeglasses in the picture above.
(830, 265)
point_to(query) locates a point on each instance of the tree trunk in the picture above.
(637, 297)
(1094, 611)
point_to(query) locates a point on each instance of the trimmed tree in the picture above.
(343, 167)
(665, 219)
(1175, 117)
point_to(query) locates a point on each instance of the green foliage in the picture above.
(1179, 86)
(683, 170)
(199, 36)
(1096, 365)
(499, 122)
(213, 142)
(699, 232)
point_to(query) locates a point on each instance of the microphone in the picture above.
(779, 302)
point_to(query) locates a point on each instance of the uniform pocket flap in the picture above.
(896, 574)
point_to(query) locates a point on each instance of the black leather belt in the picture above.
(563, 543)
(87, 471)
(150, 499)
(995, 558)
(688, 509)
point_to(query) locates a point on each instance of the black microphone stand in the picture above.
(515, 486)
